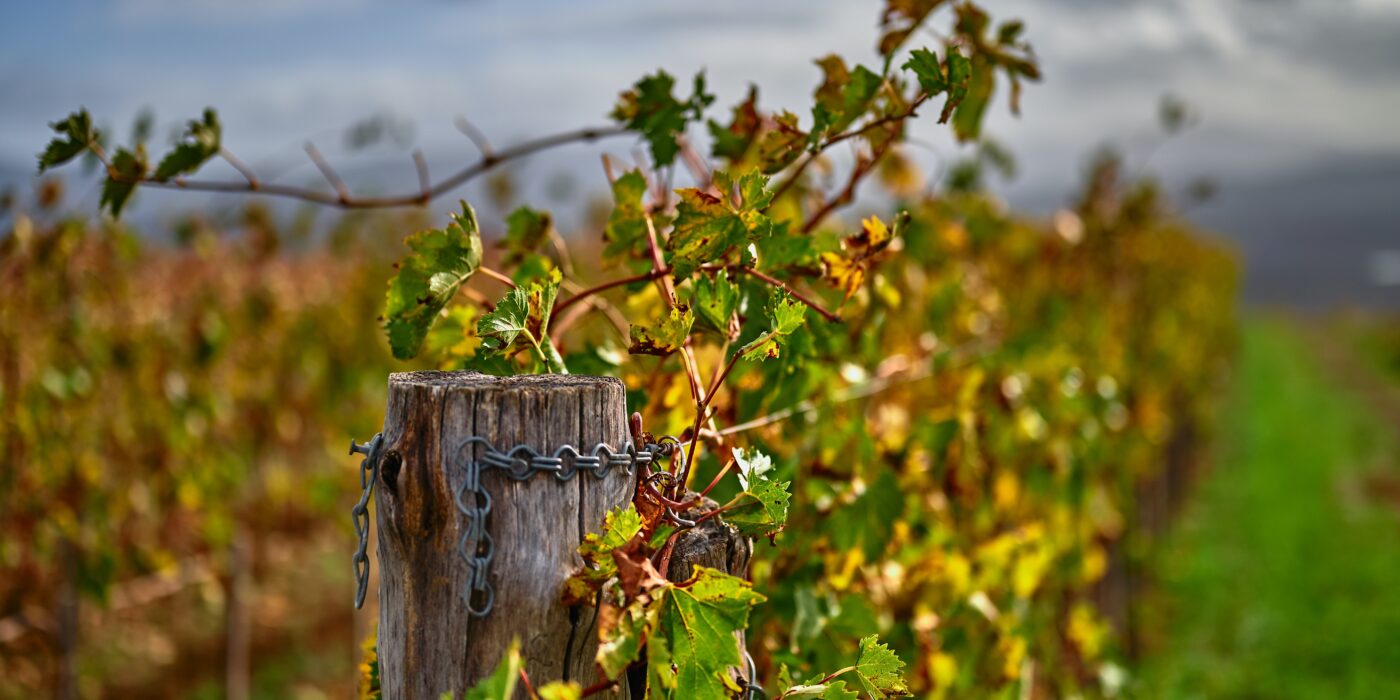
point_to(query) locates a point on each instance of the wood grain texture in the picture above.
(428, 644)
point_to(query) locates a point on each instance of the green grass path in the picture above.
(1282, 577)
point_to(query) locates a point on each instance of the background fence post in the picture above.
(428, 643)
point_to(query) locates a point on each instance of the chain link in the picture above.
(475, 546)
(369, 473)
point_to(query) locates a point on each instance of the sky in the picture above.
(1298, 100)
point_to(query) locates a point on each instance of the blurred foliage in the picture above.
(947, 409)
(157, 401)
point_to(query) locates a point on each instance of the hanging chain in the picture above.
(369, 473)
(475, 546)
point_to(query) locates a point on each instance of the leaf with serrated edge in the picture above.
(664, 337)
(787, 316)
(521, 321)
(200, 142)
(691, 643)
(439, 262)
(761, 510)
(879, 670)
(708, 226)
(75, 136)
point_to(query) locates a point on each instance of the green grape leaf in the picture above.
(627, 225)
(500, 685)
(559, 690)
(787, 316)
(761, 510)
(879, 670)
(665, 337)
(526, 230)
(925, 66)
(651, 110)
(521, 321)
(509, 319)
(834, 690)
(707, 226)
(691, 644)
(439, 261)
(128, 168)
(200, 142)
(959, 75)
(716, 298)
(74, 136)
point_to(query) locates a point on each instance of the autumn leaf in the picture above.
(708, 226)
(664, 337)
(847, 269)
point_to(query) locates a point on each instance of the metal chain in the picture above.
(369, 473)
(520, 463)
(475, 546)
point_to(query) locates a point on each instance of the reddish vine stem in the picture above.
(598, 687)
(848, 193)
(657, 273)
(832, 141)
(702, 408)
(828, 315)
(529, 687)
(498, 276)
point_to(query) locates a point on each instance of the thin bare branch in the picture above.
(812, 304)
(420, 164)
(863, 167)
(807, 160)
(477, 136)
(416, 198)
(329, 172)
(241, 167)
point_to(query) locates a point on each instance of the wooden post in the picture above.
(428, 643)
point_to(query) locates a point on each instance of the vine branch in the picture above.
(344, 199)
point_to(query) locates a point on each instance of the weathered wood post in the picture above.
(429, 643)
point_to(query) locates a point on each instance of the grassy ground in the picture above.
(1282, 578)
